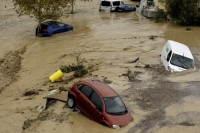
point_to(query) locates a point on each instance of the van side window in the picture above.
(169, 55)
(116, 3)
(105, 3)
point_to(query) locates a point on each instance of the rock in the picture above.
(135, 60)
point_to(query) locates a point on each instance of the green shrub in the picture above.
(160, 16)
(79, 68)
(184, 12)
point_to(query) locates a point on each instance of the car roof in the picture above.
(102, 88)
(50, 22)
(180, 49)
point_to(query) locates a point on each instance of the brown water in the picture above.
(108, 41)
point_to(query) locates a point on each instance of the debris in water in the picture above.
(27, 123)
(31, 92)
(135, 60)
(152, 37)
(147, 66)
(186, 123)
(55, 95)
(188, 29)
(105, 80)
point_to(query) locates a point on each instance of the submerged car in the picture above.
(48, 28)
(125, 8)
(99, 102)
(176, 57)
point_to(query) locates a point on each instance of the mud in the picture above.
(10, 65)
(109, 43)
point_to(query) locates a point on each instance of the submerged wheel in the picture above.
(71, 102)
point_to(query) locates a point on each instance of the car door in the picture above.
(96, 106)
(55, 28)
(62, 27)
(83, 101)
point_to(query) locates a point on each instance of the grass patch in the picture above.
(78, 67)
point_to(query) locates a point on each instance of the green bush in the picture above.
(79, 68)
(160, 16)
(185, 12)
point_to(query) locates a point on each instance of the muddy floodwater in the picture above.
(159, 101)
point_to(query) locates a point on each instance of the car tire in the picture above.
(71, 102)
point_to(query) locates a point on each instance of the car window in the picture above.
(115, 106)
(116, 3)
(105, 3)
(169, 55)
(61, 25)
(79, 86)
(43, 26)
(96, 100)
(86, 90)
(55, 25)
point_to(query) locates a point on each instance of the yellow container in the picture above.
(57, 76)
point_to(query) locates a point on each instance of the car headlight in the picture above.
(116, 126)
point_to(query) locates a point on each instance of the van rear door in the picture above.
(105, 6)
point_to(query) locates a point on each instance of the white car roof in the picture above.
(111, 0)
(180, 49)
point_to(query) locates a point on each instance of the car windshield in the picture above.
(115, 106)
(182, 61)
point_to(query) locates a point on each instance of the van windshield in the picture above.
(105, 3)
(182, 61)
(115, 106)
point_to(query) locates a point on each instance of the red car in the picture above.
(99, 102)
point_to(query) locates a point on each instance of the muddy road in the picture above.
(159, 101)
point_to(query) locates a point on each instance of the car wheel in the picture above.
(71, 102)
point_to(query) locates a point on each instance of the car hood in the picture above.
(121, 120)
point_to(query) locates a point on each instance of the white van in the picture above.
(109, 5)
(176, 57)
